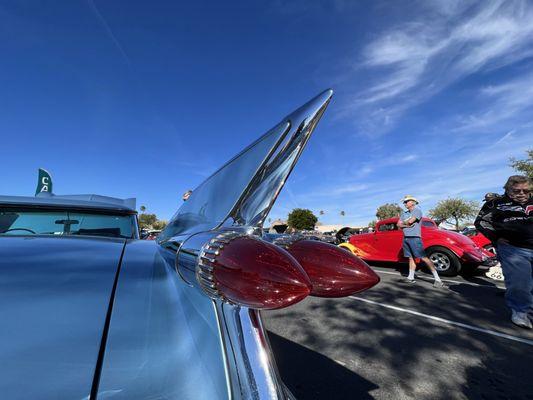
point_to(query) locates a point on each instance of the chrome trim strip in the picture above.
(223, 347)
(205, 273)
(252, 371)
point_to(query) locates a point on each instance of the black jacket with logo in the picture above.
(503, 218)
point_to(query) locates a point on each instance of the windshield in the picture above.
(46, 222)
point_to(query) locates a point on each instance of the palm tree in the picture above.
(142, 208)
(342, 217)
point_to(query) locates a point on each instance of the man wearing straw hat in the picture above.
(410, 223)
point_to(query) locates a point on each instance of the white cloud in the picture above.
(441, 171)
(109, 32)
(405, 60)
(407, 159)
(418, 59)
(505, 137)
(458, 153)
(336, 191)
(510, 100)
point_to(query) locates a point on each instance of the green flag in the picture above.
(44, 184)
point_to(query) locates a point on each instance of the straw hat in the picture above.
(409, 197)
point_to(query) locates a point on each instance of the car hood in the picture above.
(361, 236)
(54, 297)
(458, 238)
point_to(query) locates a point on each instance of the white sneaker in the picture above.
(440, 285)
(521, 319)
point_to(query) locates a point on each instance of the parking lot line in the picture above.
(444, 280)
(447, 321)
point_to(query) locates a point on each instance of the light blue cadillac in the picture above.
(89, 311)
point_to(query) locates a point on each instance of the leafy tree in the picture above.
(160, 224)
(524, 166)
(150, 221)
(388, 210)
(456, 209)
(146, 221)
(301, 218)
(372, 224)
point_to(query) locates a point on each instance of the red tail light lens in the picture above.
(251, 272)
(333, 272)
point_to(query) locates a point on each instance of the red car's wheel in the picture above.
(446, 263)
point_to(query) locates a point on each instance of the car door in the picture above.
(388, 242)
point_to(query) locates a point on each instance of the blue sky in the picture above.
(137, 99)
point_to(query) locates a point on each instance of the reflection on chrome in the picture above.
(251, 369)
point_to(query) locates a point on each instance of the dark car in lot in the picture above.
(90, 311)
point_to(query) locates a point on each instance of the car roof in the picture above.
(84, 201)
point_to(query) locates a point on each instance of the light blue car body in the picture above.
(162, 341)
(112, 318)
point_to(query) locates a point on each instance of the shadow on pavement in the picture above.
(479, 279)
(310, 375)
(476, 275)
(404, 356)
(492, 380)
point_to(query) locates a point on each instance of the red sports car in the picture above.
(479, 239)
(449, 251)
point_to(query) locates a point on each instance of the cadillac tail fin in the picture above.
(44, 183)
(243, 191)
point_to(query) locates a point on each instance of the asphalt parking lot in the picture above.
(401, 341)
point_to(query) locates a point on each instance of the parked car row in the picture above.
(150, 234)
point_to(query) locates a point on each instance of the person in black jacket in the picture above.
(508, 222)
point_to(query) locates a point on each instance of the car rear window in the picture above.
(19, 222)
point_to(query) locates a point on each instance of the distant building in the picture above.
(327, 228)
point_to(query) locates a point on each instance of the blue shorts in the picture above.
(413, 247)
